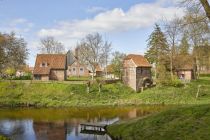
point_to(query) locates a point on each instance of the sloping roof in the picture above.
(53, 61)
(139, 60)
(184, 62)
(186, 67)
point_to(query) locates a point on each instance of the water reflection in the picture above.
(64, 124)
(17, 129)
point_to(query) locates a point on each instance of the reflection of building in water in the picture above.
(132, 113)
(50, 130)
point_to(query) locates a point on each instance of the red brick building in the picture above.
(75, 67)
(50, 67)
(137, 71)
(186, 72)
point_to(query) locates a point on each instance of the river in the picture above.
(64, 123)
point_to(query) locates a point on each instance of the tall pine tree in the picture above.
(157, 52)
(184, 46)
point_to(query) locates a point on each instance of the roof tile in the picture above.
(54, 61)
(139, 60)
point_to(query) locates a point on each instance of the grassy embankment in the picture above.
(189, 123)
(74, 94)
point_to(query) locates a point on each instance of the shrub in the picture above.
(25, 77)
(176, 83)
(172, 82)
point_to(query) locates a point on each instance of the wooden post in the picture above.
(88, 87)
(100, 85)
(142, 89)
(197, 95)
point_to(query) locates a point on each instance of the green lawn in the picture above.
(182, 123)
(55, 94)
(176, 95)
(61, 94)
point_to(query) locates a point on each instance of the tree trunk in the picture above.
(155, 72)
(195, 71)
(92, 76)
(206, 7)
(171, 66)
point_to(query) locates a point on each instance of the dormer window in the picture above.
(44, 64)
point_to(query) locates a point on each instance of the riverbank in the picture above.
(64, 94)
(64, 123)
(190, 123)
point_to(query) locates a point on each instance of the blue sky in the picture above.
(125, 23)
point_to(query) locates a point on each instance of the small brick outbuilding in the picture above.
(50, 67)
(137, 71)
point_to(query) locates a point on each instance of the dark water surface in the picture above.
(64, 124)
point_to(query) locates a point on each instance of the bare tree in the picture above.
(107, 51)
(94, 51)
(198, 3)
(51, 46)
(198, 32)
(172, 31)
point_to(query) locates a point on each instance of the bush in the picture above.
(25, 77)
(174, 82)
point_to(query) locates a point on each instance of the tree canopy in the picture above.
(13, 51)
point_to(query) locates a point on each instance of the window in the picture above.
(81, 71)
(37, 77)
(69, 70)
(44, 64)
(74, 71)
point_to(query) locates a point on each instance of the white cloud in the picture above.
(96, 9)
(19, 26)
(115, 20)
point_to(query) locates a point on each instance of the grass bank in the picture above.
(56, 94)
(189, 123)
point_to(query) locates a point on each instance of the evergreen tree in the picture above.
(157, 52)
(184, 46)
